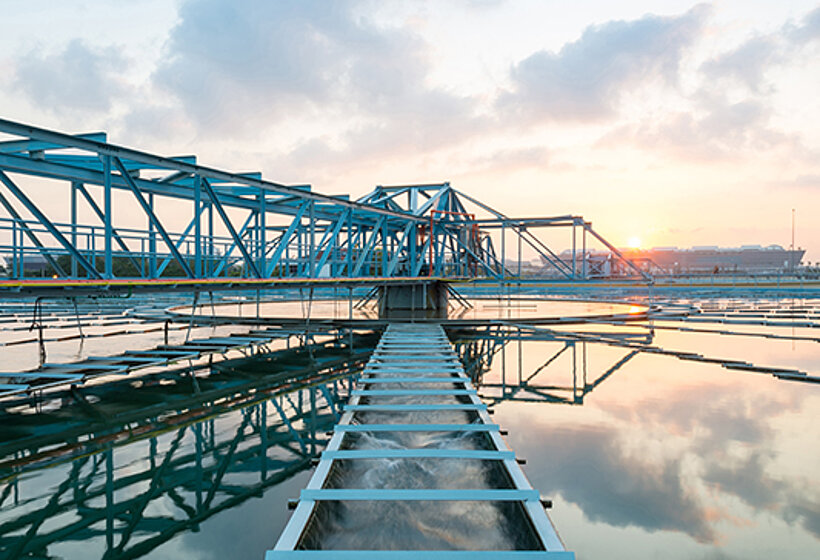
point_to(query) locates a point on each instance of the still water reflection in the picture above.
(660, 457)
(644, 454)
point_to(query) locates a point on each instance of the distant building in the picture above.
(33, 264)
(699, 259)
(747, 258)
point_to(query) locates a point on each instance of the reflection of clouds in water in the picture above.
(744, 416)
(716, 442)
(715, 414)
(749, 481)
(589, 468)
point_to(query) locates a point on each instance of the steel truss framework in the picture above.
(238, 224)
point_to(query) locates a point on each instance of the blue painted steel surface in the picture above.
(417, 428)
(418, 453)
(420, 392)
(431, 379)
(265, 230)
(341, 494)
(415, 554)
(428, 340)
(413, 407)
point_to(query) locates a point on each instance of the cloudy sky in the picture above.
(674, 122)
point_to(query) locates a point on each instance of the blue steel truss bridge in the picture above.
(85, 224)
(81, 215)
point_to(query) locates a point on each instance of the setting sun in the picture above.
(634, 243)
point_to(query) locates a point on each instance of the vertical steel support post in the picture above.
(519, 253)
(384, 248)
(431, 237)
(574, 223)
(262, 235)
(109, 229)
(503, 250)
(503, 370)
(152, 241)
(584, 364)
(412, 240)
(584, 252)
(520, 357)
(312, 241)
(211, 248)
(74, 226)
(350, 240)
(14, 248)
(197, 227)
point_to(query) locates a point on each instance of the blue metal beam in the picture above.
(31, 207)
(151, 216)
(68, 141)
(32, 236)
(79, 187)
(227, 221)
(285, 240)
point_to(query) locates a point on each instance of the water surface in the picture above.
(643, 455)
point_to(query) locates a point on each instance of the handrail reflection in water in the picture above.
(117, 482)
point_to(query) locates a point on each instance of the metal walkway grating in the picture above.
(420, 360)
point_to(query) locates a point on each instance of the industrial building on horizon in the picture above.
(746, 258)
(694, 260)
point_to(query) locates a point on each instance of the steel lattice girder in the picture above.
(308, 235)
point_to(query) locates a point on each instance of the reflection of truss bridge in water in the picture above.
(478, 348)
(147, 463)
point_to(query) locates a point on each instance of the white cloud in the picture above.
(586, 78)
(79, 79)
(251, 65)
(747, 63)
(807, 31)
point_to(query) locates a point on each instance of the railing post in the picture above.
(262, 235)
(109, 230)
(74, 226)
(197, 227)
(152, 241)
(312, 241)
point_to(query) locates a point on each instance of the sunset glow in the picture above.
(672, 106)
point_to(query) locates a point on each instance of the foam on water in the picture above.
(417, 525)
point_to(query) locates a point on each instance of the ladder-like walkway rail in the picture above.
(412, 354)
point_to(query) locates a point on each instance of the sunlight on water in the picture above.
(643, 454)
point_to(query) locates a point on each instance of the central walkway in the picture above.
(416, 467)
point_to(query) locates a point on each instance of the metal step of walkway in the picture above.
(413, 365)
